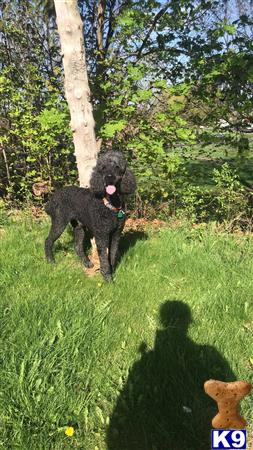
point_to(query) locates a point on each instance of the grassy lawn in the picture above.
(123, 363)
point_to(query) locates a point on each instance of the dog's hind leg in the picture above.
(57, 228)
(79, 234)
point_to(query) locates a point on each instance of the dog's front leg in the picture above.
(105, 267)
(113, 254)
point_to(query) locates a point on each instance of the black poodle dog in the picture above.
(98, 209)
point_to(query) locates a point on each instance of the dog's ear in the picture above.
(96, 182)
(128, 183)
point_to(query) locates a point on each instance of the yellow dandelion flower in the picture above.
(99, 284)
(69, 431)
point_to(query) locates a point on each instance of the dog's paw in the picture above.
(89, 264)
(107, 277)
(50, 260)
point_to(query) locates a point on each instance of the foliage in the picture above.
(38, 147)
(157, 71)
(35, 133)
(230, 195)
(222, 76)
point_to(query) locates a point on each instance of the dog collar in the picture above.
(119, 211)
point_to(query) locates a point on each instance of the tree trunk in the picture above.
(77, 90)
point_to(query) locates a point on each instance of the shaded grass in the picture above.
(120, 362)
(202, 158)
(201, 170)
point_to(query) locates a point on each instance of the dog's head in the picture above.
(111, 175)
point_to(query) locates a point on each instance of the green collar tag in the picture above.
(120, 214)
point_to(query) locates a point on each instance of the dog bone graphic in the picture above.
(228, 397)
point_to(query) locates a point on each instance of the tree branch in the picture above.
(6, 165)
(156, 19)
(110, 26)
(100, 27)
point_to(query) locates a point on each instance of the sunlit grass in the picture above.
(76, 352)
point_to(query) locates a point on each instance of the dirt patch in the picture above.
(141, 224)
(95, 259)
(38, 212)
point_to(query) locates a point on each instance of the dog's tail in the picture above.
(54, 203)
(50, 206)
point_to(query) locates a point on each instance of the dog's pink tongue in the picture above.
(110, 189)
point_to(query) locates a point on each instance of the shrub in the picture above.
(230, 196)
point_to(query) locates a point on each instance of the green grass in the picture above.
(122, 363)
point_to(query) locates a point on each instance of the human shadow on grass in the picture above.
(163, 405)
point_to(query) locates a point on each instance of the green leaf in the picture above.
(126, 18)
(142, 95)
(160, 84)
(184, 134)
(135, 73)
(111, 128)
(230, 29)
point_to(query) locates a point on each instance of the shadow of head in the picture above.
(175, 314)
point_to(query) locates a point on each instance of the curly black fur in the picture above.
(85, 209)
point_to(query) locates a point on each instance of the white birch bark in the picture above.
(77, 90)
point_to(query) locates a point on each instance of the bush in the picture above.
(230, 196)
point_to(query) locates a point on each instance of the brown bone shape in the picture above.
(228, 396)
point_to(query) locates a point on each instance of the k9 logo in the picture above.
(229, 439)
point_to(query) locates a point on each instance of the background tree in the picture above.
(163, 77)
(77, 87)
(37, 140)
